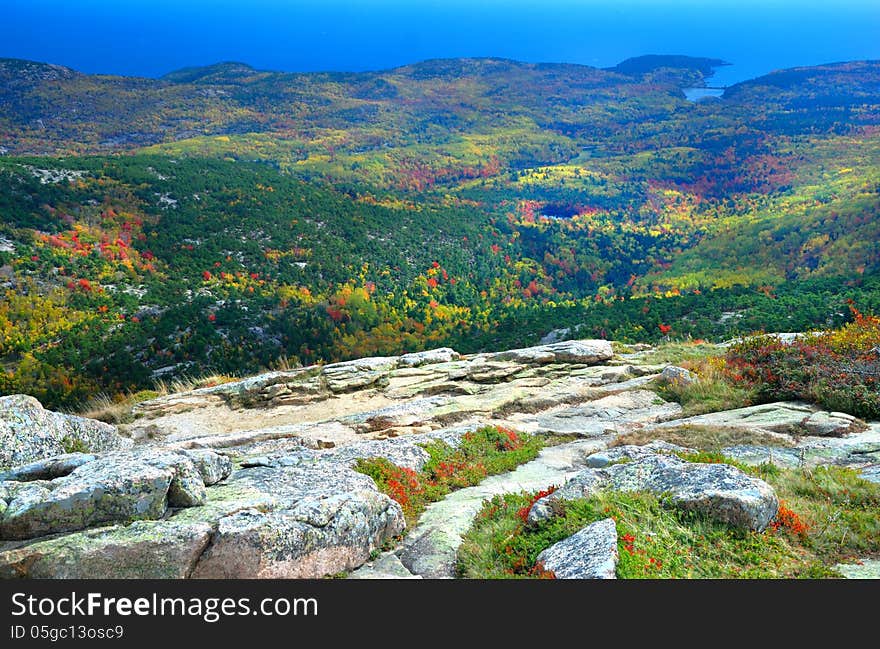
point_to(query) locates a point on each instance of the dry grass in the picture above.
(118, 409)
(704, 438)
(189, 383)
(115, 410)
(285, 364)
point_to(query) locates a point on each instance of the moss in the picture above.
(72, 444)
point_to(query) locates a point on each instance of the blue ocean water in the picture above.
(152, 37)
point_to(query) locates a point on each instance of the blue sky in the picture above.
(151, 37)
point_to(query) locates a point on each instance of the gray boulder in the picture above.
(677, 376)
(28, 432)
(589, 554)
(719, 491)
(587, 352)
(300, 516)
(832, 424)
(96, 493)
(212, 467)
(582, 485)
(323, 519)
(581, 352)
(429, 357)
(156, 549)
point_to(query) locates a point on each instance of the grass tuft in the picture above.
(713, 391)
(116, 410)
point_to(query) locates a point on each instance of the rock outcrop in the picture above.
(332, 405)
(290, 516)
(317, 521)
(781, 417)
(115, 488)
(255, 478)
(587, 352)
(612, 414)
(28, 432)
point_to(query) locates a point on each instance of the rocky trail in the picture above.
(430, 548)
(255, 478)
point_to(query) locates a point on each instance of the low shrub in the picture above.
(486, 451)
(838, 370)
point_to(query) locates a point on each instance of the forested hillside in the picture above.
(222, 218)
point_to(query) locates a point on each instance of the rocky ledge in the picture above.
(255, 478)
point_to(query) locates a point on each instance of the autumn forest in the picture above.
(225, 219)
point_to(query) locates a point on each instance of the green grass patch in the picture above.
(711, 392)
(839, 508)
(679, 353)
(486, 451)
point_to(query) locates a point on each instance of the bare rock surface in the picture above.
(255, 477)
(779, 417)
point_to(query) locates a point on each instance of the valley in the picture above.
(224, 220)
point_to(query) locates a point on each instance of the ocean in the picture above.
(152, 37)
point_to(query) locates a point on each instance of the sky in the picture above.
(153, 37)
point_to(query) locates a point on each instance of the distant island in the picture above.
(651, 62)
